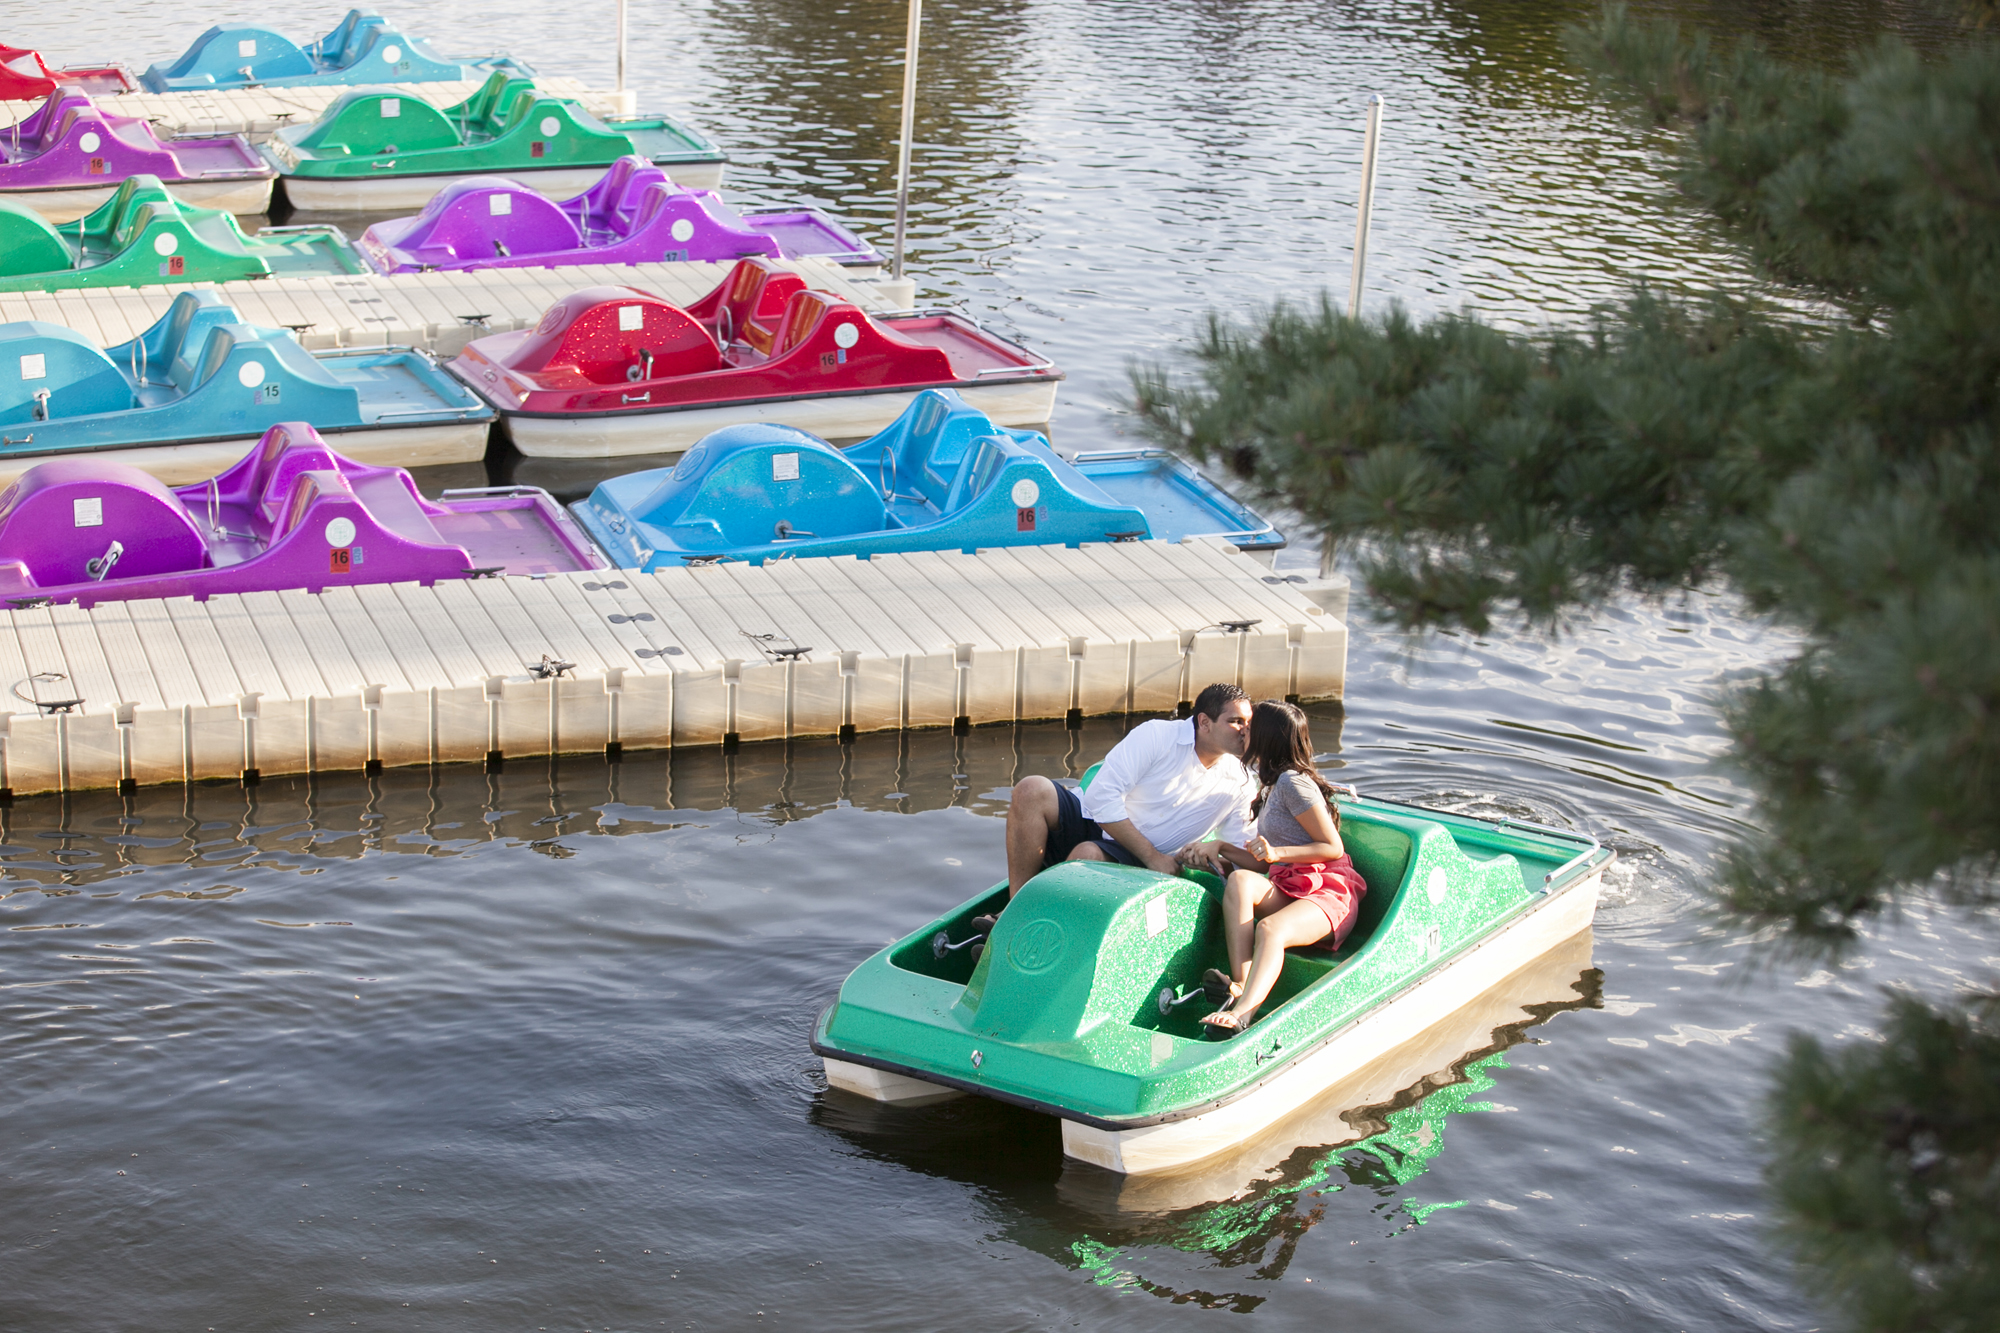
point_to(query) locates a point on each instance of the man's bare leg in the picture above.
(1032, 814)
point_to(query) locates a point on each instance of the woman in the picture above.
(1294, 884)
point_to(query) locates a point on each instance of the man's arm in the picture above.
(1128, 836)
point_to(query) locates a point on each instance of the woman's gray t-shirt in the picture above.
(1291, 796)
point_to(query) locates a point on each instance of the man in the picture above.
(1160, 791)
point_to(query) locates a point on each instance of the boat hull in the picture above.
(1427, 1002)
(309, 194)
(66, 204)
(839, 418)
(184, 464)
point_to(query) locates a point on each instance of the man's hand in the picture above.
(1164, 864)
(1203, 855)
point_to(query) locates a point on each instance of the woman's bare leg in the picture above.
(1296, 923)
(1246, 895)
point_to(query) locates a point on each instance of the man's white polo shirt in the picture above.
(1153, 778)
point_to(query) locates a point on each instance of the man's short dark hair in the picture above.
(1211, 701)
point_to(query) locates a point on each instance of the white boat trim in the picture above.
(241, 194)
(182, 464)
(378, 194)
(844, 417)
(883, 1086)
(1403, 1017)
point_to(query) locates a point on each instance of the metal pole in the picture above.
(909, 130)
(622, 4)
(1368, 148)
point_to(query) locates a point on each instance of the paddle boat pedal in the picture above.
(182, 399)
(1085, 1002)
(634, 215)
(380, 149)
(290, 514)
(615, 370)
(70, 156)
(362, 48)
(942, 477)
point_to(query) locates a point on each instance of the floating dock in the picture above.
(237, 687)
(437, 312)
(260, 112)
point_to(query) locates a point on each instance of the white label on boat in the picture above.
(89, 513)
(392, 107)
(550, 125)
(1026, 494)
(682, 229)
(1156, 916)
(1163, 1047)
(1435, 885)
(392, 54)
(846, 335)
(784, 467)
(166, 243)
(89, 143)
(35, 366)
(251, 374)
(499, 205)
(631, 317)
(247, 47)
(340, 532)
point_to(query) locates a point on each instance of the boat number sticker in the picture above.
(392, 107)
(784, 467)
(1433, 942)
(97, 166)
(537, 148)
(1156, 916)
(845, 336)
(247, 47)
(340, 532)
(391, 54)
(550, 127)
(631, 317)
(1026, 493)
(166, 243)
(89, 513)
(35, 366)
(682, 229)
(499, 205)
(89, 142)
(1037, 946)
(339, 560)
(1435, 885)
(251, 373)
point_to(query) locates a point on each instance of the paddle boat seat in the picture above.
(48, 372)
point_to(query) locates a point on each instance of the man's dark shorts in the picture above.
(1072, 828)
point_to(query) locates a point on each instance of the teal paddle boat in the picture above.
(363, 47)
(142, 235)
(382, 148)
(1085, 1001)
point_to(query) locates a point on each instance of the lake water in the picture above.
(456, 1051)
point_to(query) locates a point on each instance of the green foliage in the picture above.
(1888, 1168)
(1840, 473)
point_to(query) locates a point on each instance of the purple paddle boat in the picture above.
(292, 514)
(634, 215)
(68, 157)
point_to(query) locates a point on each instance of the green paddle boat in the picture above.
(142, 235)
(378, 149)
(1085, 1002)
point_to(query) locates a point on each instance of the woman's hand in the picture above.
(1261, 848)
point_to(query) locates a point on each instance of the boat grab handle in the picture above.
(1014, 370)
(491, 490)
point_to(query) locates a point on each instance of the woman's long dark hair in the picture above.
(1280, 744)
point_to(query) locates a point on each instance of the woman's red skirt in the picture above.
(1335, 887)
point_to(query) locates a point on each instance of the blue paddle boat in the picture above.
(362, 48)
(942, 477)
(182, 399)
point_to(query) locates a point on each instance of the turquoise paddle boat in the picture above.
(142, 235)
(362, 48)
(1085, 1002)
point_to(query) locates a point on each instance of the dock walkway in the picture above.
(437, 312)
(259, 112)
(238, 687)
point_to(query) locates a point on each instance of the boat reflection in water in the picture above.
(1377, 1130)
